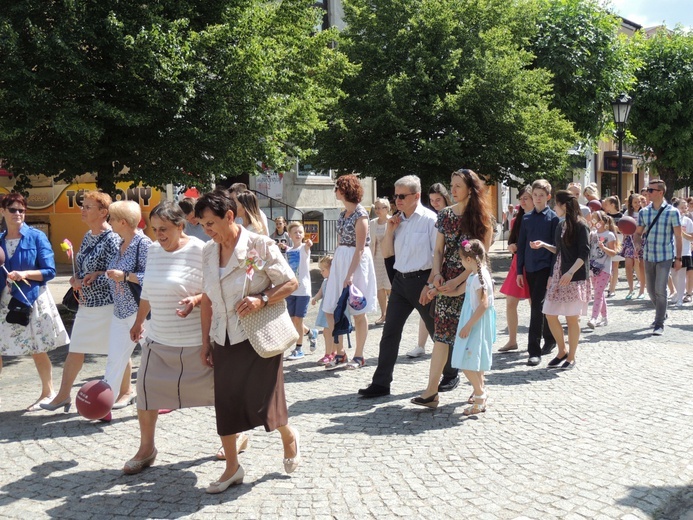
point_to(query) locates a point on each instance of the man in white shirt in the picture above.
(411, 237)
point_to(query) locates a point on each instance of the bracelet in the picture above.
(125, 276)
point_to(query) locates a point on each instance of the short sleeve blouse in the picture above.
(132, 262)
(94, 255)
(346, 227)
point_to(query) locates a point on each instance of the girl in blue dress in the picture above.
(476, 329)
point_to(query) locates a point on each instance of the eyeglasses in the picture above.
(402, 196)
(21, 211)
(650, 190)
(336, 188)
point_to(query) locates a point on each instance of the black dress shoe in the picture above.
(546, 350)
(447, 385)
(374, 391)
(534, 361)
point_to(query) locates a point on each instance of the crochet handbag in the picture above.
(270, 330)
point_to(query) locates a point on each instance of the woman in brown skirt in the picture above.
(248, 389)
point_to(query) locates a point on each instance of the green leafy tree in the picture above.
(172, 91)
(661, 119)
(578, 41)
(444, 84)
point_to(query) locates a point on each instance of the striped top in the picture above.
(170, 277)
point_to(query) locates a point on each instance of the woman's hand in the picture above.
(438, 280)
(76, 283)
(349, 280)
(206, 355)
(116, 275)
(536, 244)
(446, 287)
(465, 331)
(17, 276)
(313, 301)
(248, 305)
(566, 279)
(188, 304)
(136, 332)
(89, 279)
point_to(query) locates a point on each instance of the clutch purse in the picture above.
(270, 330)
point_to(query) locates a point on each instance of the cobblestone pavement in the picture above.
(609, 439)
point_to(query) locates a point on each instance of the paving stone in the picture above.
(576, 444)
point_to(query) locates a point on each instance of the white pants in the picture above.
(119, 351)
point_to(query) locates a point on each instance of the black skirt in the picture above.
(248, 389)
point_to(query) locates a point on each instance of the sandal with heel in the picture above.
(428, 402)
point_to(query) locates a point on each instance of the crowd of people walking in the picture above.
(215, 288)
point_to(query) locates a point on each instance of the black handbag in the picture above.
(70, 300)
(19, 313)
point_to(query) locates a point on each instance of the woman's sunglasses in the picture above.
(16, 210)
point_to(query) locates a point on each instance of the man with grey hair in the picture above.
(411, 238)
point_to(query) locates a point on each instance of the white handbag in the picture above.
(270, 330)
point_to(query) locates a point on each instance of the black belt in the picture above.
(415, 274)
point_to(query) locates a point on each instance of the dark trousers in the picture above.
(538, 326)
(404, 299)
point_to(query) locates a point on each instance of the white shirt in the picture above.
(226, 288)
(299, 261)
(687, 226)
(415, 241)
(168, 278)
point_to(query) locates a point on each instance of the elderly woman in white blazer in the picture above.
(248, 389)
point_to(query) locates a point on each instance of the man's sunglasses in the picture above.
(402, 196)
(650, 190)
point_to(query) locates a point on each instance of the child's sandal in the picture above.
(478, 407)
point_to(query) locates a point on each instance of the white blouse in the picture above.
(168, 278)
(227, 288)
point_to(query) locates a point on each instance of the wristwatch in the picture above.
(264, 298)
(431, 286)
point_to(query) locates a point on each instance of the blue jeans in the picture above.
(657, 276)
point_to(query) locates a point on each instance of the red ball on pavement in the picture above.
(627, 225)
(94, 400)
(594, 205)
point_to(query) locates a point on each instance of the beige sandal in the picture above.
(508, 348)
(241, 445)
(479, 406)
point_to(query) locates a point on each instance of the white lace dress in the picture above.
(45, 331)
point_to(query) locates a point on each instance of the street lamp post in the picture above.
(621, 107)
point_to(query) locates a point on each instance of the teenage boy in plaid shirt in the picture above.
(658, 251)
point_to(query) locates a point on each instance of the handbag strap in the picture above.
(649, 228)
(91, 248)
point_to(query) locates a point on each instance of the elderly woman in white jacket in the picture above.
(248, 389)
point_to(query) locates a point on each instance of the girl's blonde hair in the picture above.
(609, 225)
(326, 261)
(475, 249)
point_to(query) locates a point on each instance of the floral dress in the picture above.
(448, 308)
(565, 300)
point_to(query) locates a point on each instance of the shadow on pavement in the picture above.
(159, 491)
(678, 500)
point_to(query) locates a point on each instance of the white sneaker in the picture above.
(416, 352)
(591, 324)
(602, 322)
(658, 331)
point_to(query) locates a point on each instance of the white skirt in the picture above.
(88, 330)
(45, 331)
(364, 280)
